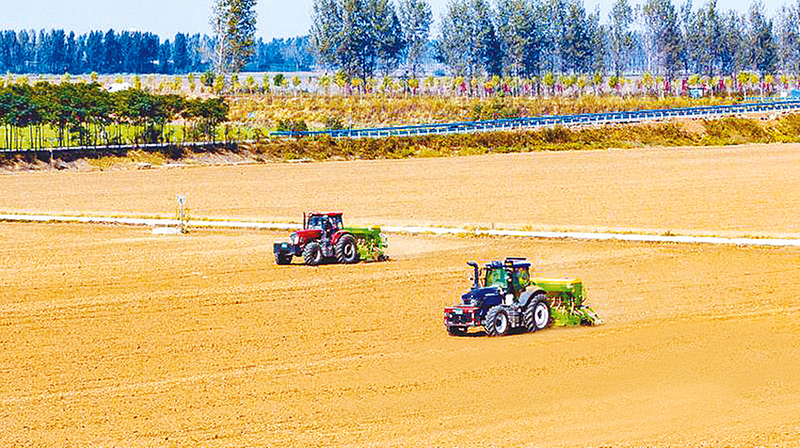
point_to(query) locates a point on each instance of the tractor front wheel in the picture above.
(281, 258)
(537, 313)
(456, 331)
(346, 250)
(497, 322)
(312, 254)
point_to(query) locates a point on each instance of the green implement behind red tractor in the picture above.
(504, 296)
(325, 238)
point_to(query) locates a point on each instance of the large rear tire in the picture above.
(497, 322)
(537, 313)
(527, 313)
(312, 254)
(346, 250)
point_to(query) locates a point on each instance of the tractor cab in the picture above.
(511, 276)
(330, 222)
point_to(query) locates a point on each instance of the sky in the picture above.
(276, 18)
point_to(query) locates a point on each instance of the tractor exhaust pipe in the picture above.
(304, 220)
(476, 284)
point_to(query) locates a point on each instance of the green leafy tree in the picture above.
(554, 14)
(341, 36)
(325, 83)
(219, 84)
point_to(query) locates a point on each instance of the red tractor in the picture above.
(324, 237)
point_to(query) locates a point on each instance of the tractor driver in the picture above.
(325, 238)
(327, 227)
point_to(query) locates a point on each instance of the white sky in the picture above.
(276, 18)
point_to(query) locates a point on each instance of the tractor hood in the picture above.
(476, 296)
(307, 234)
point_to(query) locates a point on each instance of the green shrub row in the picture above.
(81, 113)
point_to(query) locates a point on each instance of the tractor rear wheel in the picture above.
(497, 322)
(312, 254)
(283, 258)
(346, 250)
(537, 313)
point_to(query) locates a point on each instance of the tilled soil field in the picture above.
(751, 190)
(112, 336)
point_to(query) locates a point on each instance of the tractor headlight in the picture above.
(293, 239)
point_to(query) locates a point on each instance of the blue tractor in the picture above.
(504, 297)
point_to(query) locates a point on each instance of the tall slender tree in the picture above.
(661, 19)
(94, 52)
(415, 21)
(113, 53)
(763, 54)
(620, 36)
(234, 26)
(387, 34)
(520, 36)
(576, 51)
(326, 29)
(356, 51)
(180, 53)
(469, 43)
(789, 37)
(732, 44)
(598, 35)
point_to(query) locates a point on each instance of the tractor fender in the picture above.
(527, 296)
(337, 235)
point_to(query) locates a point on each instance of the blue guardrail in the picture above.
(553, 120)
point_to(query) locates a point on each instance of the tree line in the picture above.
(59, 52)
(68, 114)
(539, 38)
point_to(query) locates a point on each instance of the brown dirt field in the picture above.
(112, 336)
(751, 190)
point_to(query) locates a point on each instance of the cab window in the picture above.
(496, 277)
(315, 222)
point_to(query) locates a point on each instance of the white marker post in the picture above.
(183, 219)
